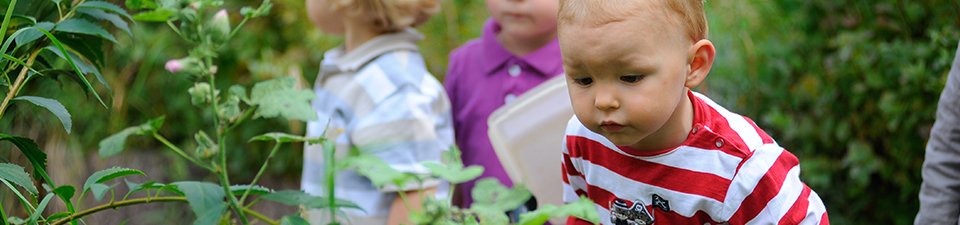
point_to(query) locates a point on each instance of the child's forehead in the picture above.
(606, 11)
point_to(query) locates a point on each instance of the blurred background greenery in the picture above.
(849, 86)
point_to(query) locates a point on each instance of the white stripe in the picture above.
(815, 209)
(780, 204)
(682, 203)
(684, 157)
(569, 194)
(743, 128)
(604, 214)
(750, 174)
(375, 82)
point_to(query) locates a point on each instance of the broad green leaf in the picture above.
(82, 65)
(539, 216)
(583, 209)
(33, 153)
(85, 49)
(40, 207)
(65, 191)
(293, 220)
(240, 92)
(53, 106)
(453, 174)
(297, 198)
(206, 200)
(378, 171)
(109, 174)
(490, 192)
(99, 190)
(278, 137)
(140, 4)
(115, 143)
(56, 42)
(29, 34)
(82, 26)
(18, 176)
(279, 97)
(112, 18)
(158, 15)
(134, 187)
(490, 215)
(254, 190)
(105, 6)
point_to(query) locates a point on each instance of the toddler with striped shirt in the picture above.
(648, 150)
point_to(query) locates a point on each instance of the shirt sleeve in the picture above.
(940, 190)
(405, 129)
(768, 190)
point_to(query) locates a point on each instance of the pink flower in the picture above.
(221, 15)
(174, 65)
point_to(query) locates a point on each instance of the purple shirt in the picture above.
(481, 77)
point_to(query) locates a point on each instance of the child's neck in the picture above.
(356, 32)
(523, 46)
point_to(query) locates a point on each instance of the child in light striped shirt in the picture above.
(375, 94)
(648, 150)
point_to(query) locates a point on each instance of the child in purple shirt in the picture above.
(517, 51)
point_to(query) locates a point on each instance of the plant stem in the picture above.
(221, 143)
(262, 168)
(329, 152)
(3, 216)
(143, 201)
(177, 150)
(19, 83)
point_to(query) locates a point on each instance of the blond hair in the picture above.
(687, 13)
(390, 15)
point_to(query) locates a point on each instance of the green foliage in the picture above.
(849, 86)
(279, 97)
(15, 174)
(53, 106)
(115, 143)
(206, 200)
(95, 182)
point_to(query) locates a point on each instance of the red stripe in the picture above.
(799, 209)
(768, 187)
(763, 134)
(568, 167)
(824, 220)
(667, 177)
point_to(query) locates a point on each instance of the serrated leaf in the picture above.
(453, 174)
(206, 200)
(54, 107)
(105, 6)
(65, 191)
(30, 149)
(29, 34)
(16, 175)
(254, 190)
(56, 42)
(278, 137)
(279, 97)
(298, 198)
(95, 182)
(489, 215)
(103, 15)
(82, 65)
(82, 26)
(240, 92)
(158, 15)
(115, 143)
(490, 192)
(293, 220)
(140, 4)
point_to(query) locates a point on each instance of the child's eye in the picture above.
(583, 81)
(631, 78)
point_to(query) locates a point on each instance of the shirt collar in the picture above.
(546, 59)
(335, 61)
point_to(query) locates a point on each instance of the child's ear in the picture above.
(701, 56)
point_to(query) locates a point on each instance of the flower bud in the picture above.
(219, 25)
(173, 65)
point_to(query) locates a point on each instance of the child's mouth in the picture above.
(610, 126)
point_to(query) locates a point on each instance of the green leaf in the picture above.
(82, 26)
(279, 137)
(254, 190)
(56, 42)
(105, 6)
(206, 200)
(40, 207)
(29, 34)
(56, 1)
(112, 18)
(81, 65)
(490, 192)
(293, 220)
(18, 176)
(158, 15)
(109, 174)
(490, 215)
(114, 144)
(140, 4)
(279, 97)
(36, 157)
(65, 192)
(453, 174)
(53, 106)
(240, 92)
(99, 190)
(298, 198)
(378, 171)
(57, 216)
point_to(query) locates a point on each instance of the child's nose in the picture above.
(606, 100)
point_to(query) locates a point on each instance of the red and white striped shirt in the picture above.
(728, 171)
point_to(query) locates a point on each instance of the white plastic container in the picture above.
(527, 135)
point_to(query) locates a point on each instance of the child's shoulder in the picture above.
(734, 132)
(468, 51)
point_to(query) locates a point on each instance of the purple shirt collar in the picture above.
(543, 59)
